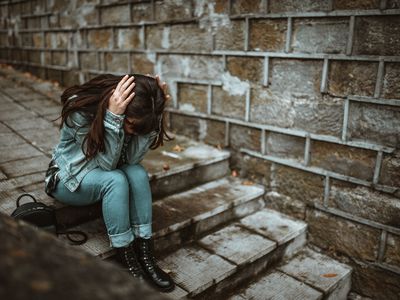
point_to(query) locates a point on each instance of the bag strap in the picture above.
(76, 232)
(67, 232)
(25, 195)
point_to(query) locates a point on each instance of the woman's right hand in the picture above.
(122, 95)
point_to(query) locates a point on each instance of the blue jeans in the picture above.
(126, 201)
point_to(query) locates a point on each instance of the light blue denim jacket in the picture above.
(71, 160)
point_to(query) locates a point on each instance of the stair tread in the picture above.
(274, 225)
(307, 275)
(194, 154)
(234, 244)
(277, 285)
(179, 210)
(316, 269)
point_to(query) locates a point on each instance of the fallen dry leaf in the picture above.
(219, 147)
(248, 182)
(178, 148)
(329, 275)
(165, 167)
(235, 173)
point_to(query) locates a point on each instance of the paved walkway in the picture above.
(27, 133)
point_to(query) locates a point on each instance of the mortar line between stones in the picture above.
(209, 99)
(227, 132)
(379, 79)
(263, 140)
(320, 171)
(368, 58)
(377, 170)
(288, 131)
(382, 4)
(324, 80)
(349, 47)
(382, 246)
(307, 151)
(357, 219)
(288, 35)
(266, 71)
(302, 282)
(385, 266)
(247, 111)
(345, 119)
(246, 35)
(327, 188)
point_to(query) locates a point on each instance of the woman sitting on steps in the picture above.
(108, 124)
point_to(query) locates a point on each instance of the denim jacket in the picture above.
(71, 160)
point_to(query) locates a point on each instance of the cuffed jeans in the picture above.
(126, 201)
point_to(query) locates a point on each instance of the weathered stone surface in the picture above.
(230, 36)
(9, 153)
(237, 244)
(378, 35)
(267, 35)
(193, 97)
(227, 105)
(116, 62)
(185, 125)
(274, 225)
(320, 35)
(255, 169)
(352, 78)
(364, 202)
(142, 63)
(356, 4)
(10, 139)
(129, 38)
(244, 137)
(141, 12)
(392, 254)
(26, 273)
(277, 285)
(353, 239)
(391, 81)
(195, 269)
(286, 205)
(285, 146)
(312, 268)
(375, 282)
(57, 40)
(393, 4)
(35, 56)
(191, 66)
(246, 6)
(172, 10)
(390, 170)
(115, 14)
(200, 39)
(37, 40)
(215, 134)
(281, 6)
(355, 162)
(246, 68)
(99, 38)
(375, 123)
(297, 184)
(88, 60)
(59, 58)
(25, 166)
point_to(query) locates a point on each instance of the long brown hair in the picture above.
(146, 109)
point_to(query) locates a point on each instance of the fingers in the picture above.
(121, 82)
(126, 84)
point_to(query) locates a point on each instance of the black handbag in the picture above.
(44, 217)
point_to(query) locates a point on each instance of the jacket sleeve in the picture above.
(113, 137)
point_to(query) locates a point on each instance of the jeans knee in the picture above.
(137, 173)
(117, 180)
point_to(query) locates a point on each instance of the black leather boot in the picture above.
(127, 257)
(154, 274)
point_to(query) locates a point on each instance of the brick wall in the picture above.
(306, 94)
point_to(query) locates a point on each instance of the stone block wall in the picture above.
(306, 94)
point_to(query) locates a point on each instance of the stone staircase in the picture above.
(213, 231)
(215, 236)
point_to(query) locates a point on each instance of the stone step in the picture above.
(184, 216)
(308, 275)
(178, 165)
(223, 260)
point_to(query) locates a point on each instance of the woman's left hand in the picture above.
(162, 85)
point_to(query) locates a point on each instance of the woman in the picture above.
(107, 126)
